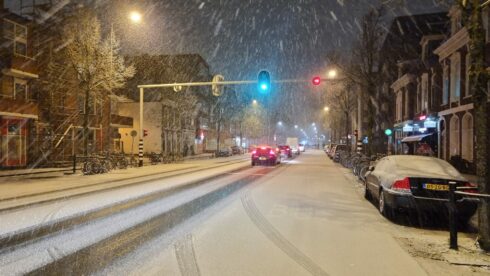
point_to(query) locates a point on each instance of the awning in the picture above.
(415, 138)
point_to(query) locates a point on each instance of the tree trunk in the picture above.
(86, 122)
(347, 130)
(478, 81)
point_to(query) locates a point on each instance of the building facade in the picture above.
(456, 115)
(18, 101)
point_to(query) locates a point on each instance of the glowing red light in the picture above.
(423, 117)
(316, 81)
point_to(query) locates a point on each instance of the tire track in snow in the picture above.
(186, 257)
(279, 240)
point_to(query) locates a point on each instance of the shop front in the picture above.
(421, 137)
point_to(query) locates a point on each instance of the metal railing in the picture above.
(452, 208)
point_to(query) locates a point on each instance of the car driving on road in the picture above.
(416, 183)
(285, 151)
(265, 155)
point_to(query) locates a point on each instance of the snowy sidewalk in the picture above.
(18, 187)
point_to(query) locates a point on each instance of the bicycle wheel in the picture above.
(87, 168)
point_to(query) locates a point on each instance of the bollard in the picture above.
(453, 231)
(74, 163)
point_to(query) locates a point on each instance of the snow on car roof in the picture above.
(414, 165)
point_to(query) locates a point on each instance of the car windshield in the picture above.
(244, 137)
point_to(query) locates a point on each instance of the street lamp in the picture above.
(279, 123)
(326, 109)
(295, 126)
(332, 73)
(135, 16)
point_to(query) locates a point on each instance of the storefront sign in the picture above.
(430, 124)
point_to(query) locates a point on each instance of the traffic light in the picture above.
(264, 81)
(316, 80)
(145, 132)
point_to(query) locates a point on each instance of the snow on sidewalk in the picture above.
(33, 185)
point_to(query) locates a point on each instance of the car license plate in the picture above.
(436, 187)
(262, 158)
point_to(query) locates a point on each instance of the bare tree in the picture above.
(96, 63)
(363, 69)
(342, 103)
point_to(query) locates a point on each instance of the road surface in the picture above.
(301, 218)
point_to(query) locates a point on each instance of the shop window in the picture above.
(467, 137)
(454, 132)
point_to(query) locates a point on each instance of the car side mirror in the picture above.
(371, 168)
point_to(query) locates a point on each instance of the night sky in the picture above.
(290, 38)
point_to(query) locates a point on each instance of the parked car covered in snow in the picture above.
(416, 183)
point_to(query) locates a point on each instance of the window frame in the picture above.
(15, 37)
(455, 78)
(26, 90)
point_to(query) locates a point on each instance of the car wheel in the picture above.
(367, 194)
(383, 207)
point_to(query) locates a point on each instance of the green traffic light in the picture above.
(388, 132)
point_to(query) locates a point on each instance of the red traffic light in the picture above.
(316, 80)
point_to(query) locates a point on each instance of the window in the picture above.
(20, 89)
(17, 34)
(455, 77)
(467, 83)
(8, 30)
(445, 85)
(467, 137)
(454, 142)
(81, 105)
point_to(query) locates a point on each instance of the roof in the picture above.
(405, 32)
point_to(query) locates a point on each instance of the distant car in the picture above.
(265, 155)
(335, 152)
(224, 152)
(235, 150)
(418, 183)
(302, 147)
(285, 150)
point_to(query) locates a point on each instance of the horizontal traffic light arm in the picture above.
(161, 85)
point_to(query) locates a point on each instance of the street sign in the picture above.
(133, 133)
(217, 89)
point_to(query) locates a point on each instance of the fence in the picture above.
(453, 227)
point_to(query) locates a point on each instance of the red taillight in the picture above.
(470, 188)
(272, 152)
(402, 185)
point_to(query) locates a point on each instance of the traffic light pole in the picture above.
(140, 145)
(188, 84)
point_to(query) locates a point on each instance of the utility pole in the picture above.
(472, 11)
